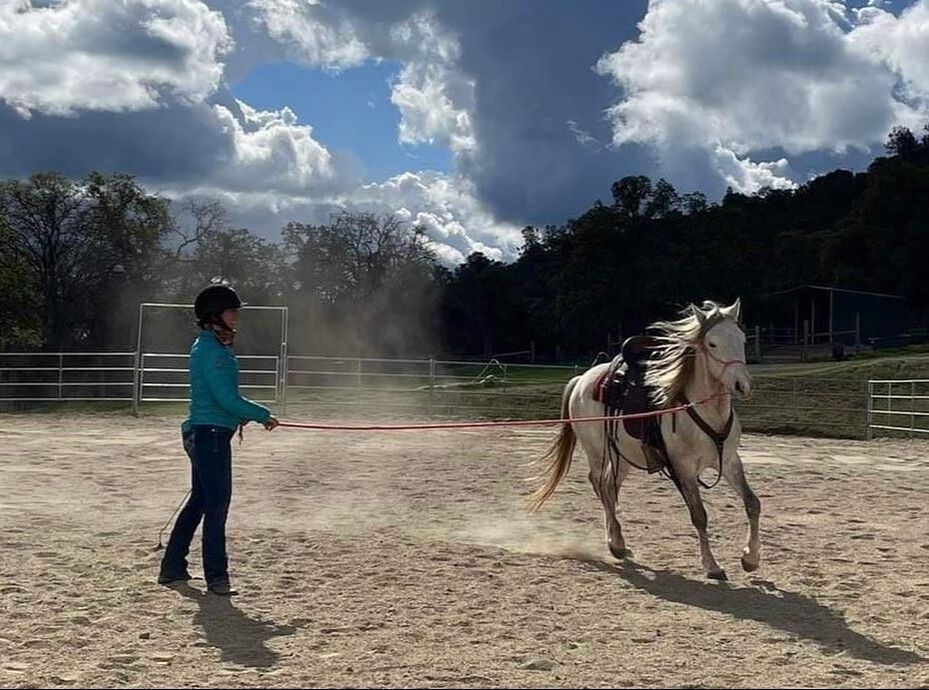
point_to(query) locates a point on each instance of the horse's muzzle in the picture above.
(743, 388)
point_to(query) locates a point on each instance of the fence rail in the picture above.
(318, 384)
(77, 376)
(160, 382)
(414, 384)
(891, 402)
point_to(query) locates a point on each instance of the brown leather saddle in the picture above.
(623, 391)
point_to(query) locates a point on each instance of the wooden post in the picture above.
(812, 320)
(431, 386)
(857, 333)
(831, 315)
(912, 407)
(137, 368)
(806, 340)
(870, 415)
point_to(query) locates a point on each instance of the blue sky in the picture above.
(895, 6)
(349, 111)
(468, 118)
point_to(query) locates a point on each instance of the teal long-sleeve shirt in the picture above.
(214, 387)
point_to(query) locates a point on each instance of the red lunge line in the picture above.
(475, 425)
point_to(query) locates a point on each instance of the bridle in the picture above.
(709, 352)
(726, 363)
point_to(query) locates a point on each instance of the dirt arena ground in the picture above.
(409, 560)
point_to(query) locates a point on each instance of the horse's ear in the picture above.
(734, 311)
(702, 318)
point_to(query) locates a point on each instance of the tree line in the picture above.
(77, 257)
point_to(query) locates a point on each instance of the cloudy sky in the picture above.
(471, 117)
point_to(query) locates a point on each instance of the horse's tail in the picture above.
(559, 454)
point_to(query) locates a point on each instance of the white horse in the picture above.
(700, 359)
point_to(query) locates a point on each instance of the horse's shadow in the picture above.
(793, 613)
(240, 639)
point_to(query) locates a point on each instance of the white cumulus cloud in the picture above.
(314, 33)
(901, 42)
(447, 208)
(271, 151)
(101, 55)
(433, 96)
(744, 175)
(735, 77)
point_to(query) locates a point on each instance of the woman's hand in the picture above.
(271, 424)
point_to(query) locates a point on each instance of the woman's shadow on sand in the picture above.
(240, 638)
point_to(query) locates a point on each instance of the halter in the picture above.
(726, 364)
(708, 326)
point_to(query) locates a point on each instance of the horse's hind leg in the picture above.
(690, 490)
(735, 476)
(606, 486)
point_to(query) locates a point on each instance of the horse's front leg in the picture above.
(735, 477)
(690, 490)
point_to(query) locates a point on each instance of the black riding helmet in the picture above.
(213, 301)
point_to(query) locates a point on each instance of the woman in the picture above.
(217, 409)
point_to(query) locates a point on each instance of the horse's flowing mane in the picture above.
(672, 365)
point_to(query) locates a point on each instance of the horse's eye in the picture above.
(712, 344)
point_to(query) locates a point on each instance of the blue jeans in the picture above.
(210, 453)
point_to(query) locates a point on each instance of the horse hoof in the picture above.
(619, 553)
(749, 566)
(717, 575)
